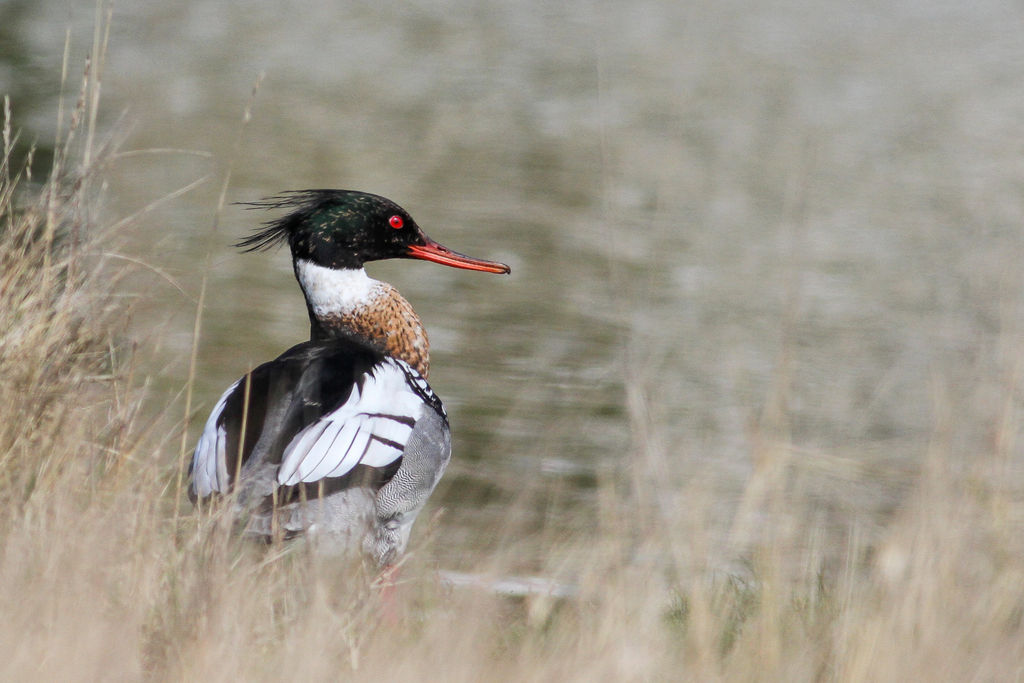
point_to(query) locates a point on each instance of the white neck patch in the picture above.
(335, 292)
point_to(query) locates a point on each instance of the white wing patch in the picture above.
(209, 461)
(370, 428)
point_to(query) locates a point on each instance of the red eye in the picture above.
(396, 222)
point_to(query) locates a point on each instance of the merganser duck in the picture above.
(340, 436)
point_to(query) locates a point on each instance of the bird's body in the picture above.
(341, 435)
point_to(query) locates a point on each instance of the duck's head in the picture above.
(343, 229)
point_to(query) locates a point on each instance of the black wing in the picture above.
(321, 412)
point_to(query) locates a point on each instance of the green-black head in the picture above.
(345, 229)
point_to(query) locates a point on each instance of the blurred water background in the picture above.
(726, 221)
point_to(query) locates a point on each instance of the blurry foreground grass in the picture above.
(99, 582)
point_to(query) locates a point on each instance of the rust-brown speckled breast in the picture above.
(389, 322)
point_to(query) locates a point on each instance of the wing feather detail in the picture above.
(370, 428)
(209, 460)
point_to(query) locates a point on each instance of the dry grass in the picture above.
(99, 579)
